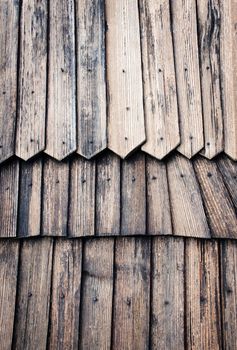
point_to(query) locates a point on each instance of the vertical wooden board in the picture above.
(220, 209)
(126, 130)
(228, 169)
(160, 97)
(108, 195)
(61, 117)
(30, 198)
(187, 75)
(9, 251)
(55, 198)
(133, 200)
(82, 198)
(32, 306)
(158, 204)
(65, 303)
(9, 21)
(187, 211)
(91, 82)
(97, 290)
(209, 22)
(30, 138)
(229, 74)
(203, 320)
(229, 293)
(132, 294)
(167, 304)
(9, 182)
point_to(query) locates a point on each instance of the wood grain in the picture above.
(167, 303)
(91, 81)
(228, 169)
(61, 117)
(160, 96)
(30, 138)
(209, 22)
(97, 290)
(187, 211)
(9, 20)
(131, 295)
(187, 75)
(82, 198)
(65, 300)
(126, 130)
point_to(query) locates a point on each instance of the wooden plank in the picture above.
(126, 130)
(65, 303)
(91, 81)
(209, 22)
(9, 251)
(229, 293)
(187, 75)
(97, 290)
(161, 112)
(9, 182)
(9, 21)
(30, 198)
(158, 204)
(228, 169)
(220, 209)
(132, 294)
(61, 117)
(82, 198)
(55, 198)
(32, 306)
(167, 304)
(187, 211)
(229, 74)
(108, 195)
(133, 192)
(30, 138)
(203, 319)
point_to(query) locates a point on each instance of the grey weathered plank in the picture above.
(133, 196)
(108, 195)
(126, 130)
(203, 319)
(91, 82)
(55, 198)
(228, 169)
(33, 295)
(30, 137)
(167, 303)
(158, 204)
(9, 251)
(65, 300)
(187, 211)
(9, 182)
(82, 198)
(160, 97)
(30, 198)
(61, 116)
(220, 209)
(187, 75)
(209, 22)
(97, 290)
(131, 294)
(228, 263)
(9, 20)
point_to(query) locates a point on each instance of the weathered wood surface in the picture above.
(61, 116)
(187, 75)
(91, 79)
(160, 97)
(131, 294)
(126, 129)
(9, 21)
(228, 169)
(30, 138)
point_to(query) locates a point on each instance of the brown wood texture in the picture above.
(30, 138)
(228, 169)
